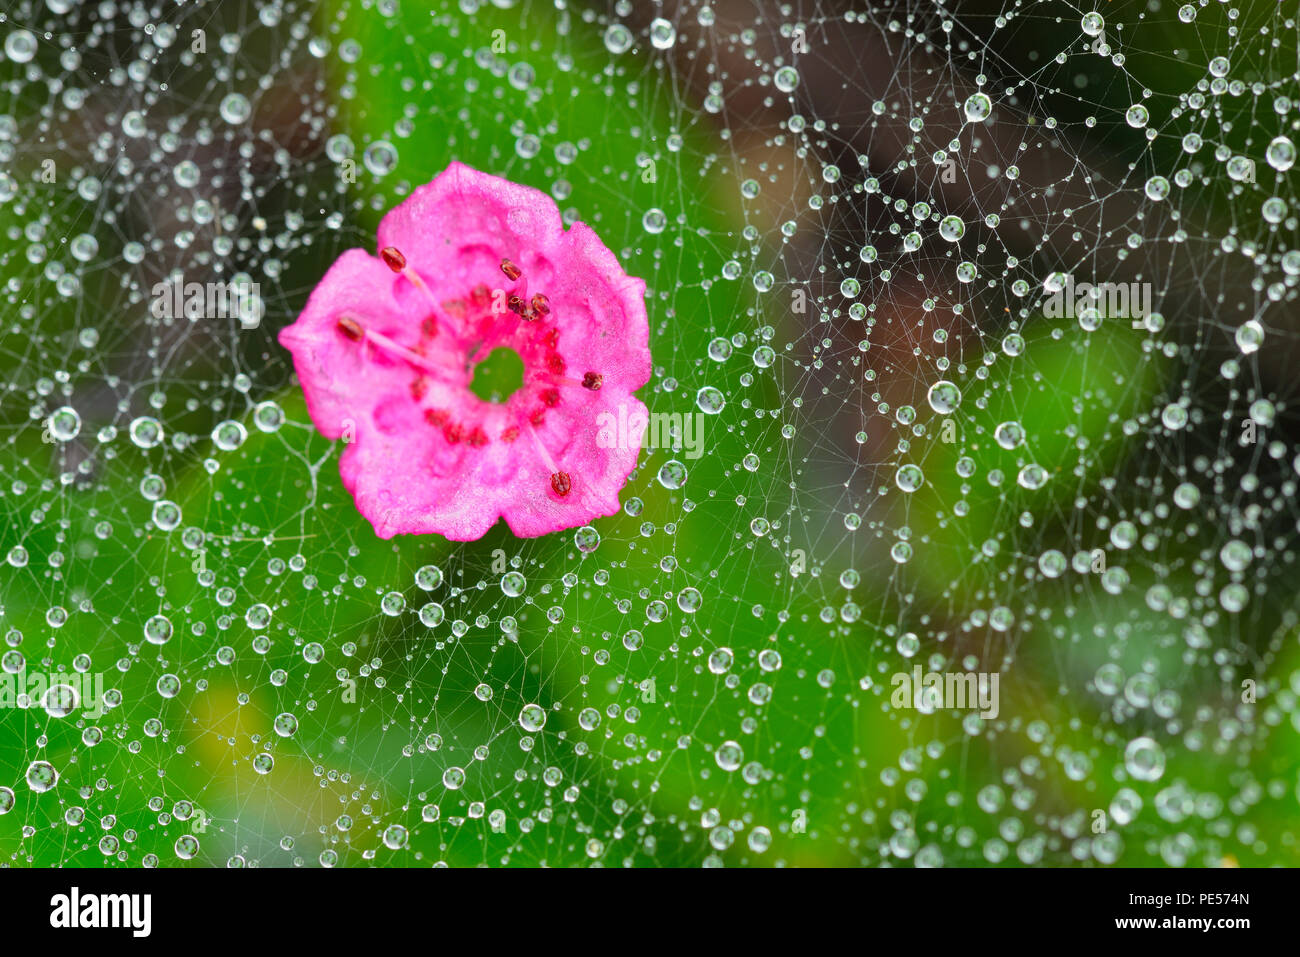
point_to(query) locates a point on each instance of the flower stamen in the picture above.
(561, 483)
(394, 260)
(355, 331)
(526, 308)
(590, 380)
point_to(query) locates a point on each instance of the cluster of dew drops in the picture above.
(137, 146)
(1214, 612)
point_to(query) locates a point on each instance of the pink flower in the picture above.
(386, 347)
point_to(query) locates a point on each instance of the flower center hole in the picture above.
(499, 376)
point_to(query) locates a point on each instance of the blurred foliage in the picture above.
(396, 697)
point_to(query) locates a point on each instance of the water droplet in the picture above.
(453, 779)
(978, 108)
(268, 416)
(146, 431)
(158, 630)
(532, 718)
(60, 700)
(618, 38)
(662, 34)
(235, 108)
(229, 435)
(65, 423)
(1157, 188)
(428, 577)
(786, 79)
(710, 401)
(944, 397)
(587, 539)
(20, 46)
(380, 157)
(1144, 759)
(672, 474)
(909, 478)
(258, 616)
(1250, 336)
(690, 600)
(41, 776)
(1281, 154)
(1009, 435)
(729, 755)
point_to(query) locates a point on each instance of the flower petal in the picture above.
(456, 230)
(333, 371)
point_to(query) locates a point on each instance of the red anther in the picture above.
(510, 433)
(516, 305)
(393, 258)
(512, 271)
(555, 363)
(550, 398)
(429, 327)
(541, 304)
(477, 437)
(561, 482)
(352, 329)
(592, 381)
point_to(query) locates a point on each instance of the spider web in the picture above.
(851, 220)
